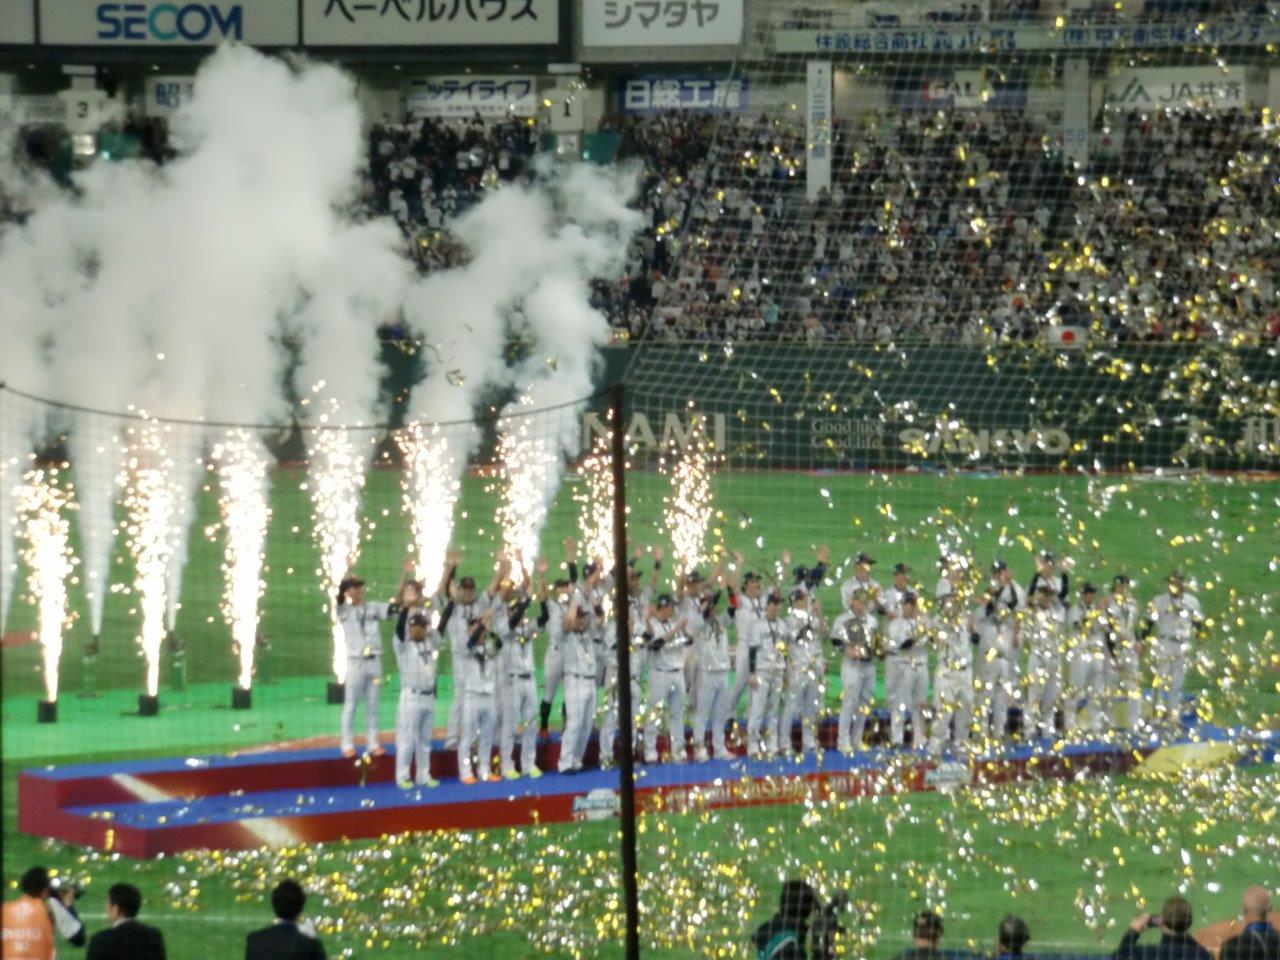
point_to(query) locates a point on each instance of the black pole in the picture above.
(626, 731)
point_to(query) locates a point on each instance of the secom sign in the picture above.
(170, 22)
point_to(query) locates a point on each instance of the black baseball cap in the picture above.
(798, 594)
(1088, 587)
(665, 601)
(467, 582)
(693, 576)
(749, 576)
(419, 620)
(864, 559)
(909, 597)
(998, 566)
(902, 568)
(1047, 556)
(348, 582)
(590, 569)
(1120, 580)
(773, 598)
(1045, 588)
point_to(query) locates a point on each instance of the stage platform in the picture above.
(147, 808)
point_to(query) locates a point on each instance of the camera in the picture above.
(825, 928)
(61, 887)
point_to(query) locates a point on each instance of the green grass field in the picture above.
(1074, 859)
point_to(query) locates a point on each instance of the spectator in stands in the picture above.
(30, 921)
(1011, 937)
(1175, 943)
(783, 936)
(926, 931)
(127, 938)
(1259, 940)
(288, 938)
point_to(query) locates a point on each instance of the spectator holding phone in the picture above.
(1176, 942)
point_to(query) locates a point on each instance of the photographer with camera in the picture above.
(1176, 943)
(44, 907)
(804, 928)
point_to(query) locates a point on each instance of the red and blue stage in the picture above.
(283, 796)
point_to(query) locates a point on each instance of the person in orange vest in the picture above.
(30, 921)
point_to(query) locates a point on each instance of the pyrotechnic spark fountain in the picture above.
(595, 503)
(152, 506)
(242, 472)
(47, 534)
(335, 480)
(528, 462)
(431, 486)
(98, 462)
(686, 510)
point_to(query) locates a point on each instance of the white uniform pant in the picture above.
(996, 673)
(859, 680)
(762, 713)
(711, 710)
(666, 698)
(479, 715)
(1124, 686)
(579, 712)
(906, 690)
(740, 676)
(953, 706)
(1044, 690)
(602, 657)
(1170, 678)
(552, 671)
(1086, 698)
(519, 709)
(609, 723)
(804, 698)
(415, 724)
(364, 682)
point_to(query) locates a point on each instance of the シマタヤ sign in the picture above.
(661, 23)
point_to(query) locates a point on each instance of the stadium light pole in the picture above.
(626, 732)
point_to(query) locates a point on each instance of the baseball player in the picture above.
(1123, 670)
(889, 604)
(668, 639)
(458, 619)
(689, 609)
(854, 634)
(579, 685)
(767, 640)
(998, 640)
(1087, 632)
(1048, 574)
(554, 603)
(711, 710)
(748, 604)
(518, 689)
(640, 612)
(805, 670)
(953, 634)
(861, 580)
(1175, 617)
(478, 680)
(951, 569)
(1043, 632)
(417, 649)
(360, 632)
(906, 670)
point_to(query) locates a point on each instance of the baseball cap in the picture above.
(909, 597)
(749, 576)
(773, 598)
(348, 582)
(1176, 575)
(467, 582)
(1088, 587)
(418, 620)
(864, 559)
(693, 577)
(862, 595)
(998, 566)
(1045, 588)
(665, 601)
(1047, 556)
(902, 568)
(798, 594)
(590, 569)
(1120, 580)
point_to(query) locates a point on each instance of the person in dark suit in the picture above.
(284, 939)
(127, 938)
(1175, 944)
(926, 931)
(1259, 939)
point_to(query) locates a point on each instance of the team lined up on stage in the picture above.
(1083, 657)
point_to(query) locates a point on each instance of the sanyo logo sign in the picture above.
(1053, 441)
(660, 431)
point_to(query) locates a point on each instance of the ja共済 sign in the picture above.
(1154, 88)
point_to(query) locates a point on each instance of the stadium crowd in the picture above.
(1167, 236)
(803, 928)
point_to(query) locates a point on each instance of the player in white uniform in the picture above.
(1087, 655)
(417, 649)
(1123, 663)
(518, 687)
(554, 603)
(767, 639)
(478, 680)
(1043, 634)
(997, 628)
(362, 636)
(890, 603)
(711, 710)
(640, 599)
(579, 686)
(749, 604)
(668, 639)
(806, 669)
(953, 632)
(906, 671)
(461, 614)
(689, 609)
(1174, 617)
(854, 634)
(1048, 574)
(861, 580)
(951, 571)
